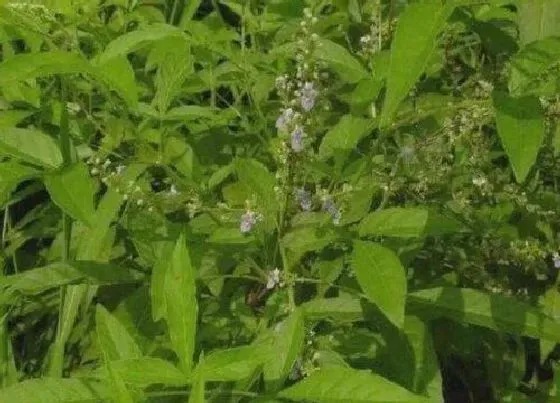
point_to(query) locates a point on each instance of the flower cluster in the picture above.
(249, 219)
(330, 207)
(300, 94)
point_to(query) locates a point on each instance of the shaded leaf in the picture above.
(493, 311)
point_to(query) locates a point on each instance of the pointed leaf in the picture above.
(382, 278)
(73, 190)
(116, 342)
(145, 371)
(395, 222)
(40, 279)
(344, 136)
(51, 390)
(414, 42)
(135, 40)
(343, 309)
(285, 345)
(347, 385)
(521, 127)
(181, 303)
(341, 61)
(230, 365)
(31, 146)
(11, 174)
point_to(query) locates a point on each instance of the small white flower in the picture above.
(479, 181)
(173, 190)
(273, 279)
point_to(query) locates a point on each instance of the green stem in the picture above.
(64, 139)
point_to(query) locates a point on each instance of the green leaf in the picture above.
(11, 118)
(181, 303)
(395, 222)
(521, 127)
(347, 385)
(26, 66)
(285, 344)
(531, 67)
(115, 341)
(414, 42)
(417, 368)
(174, 67)
(493, 311)
(11, 174)
(230, 236)
(157, 285)
(382, 278)
(301, 240)
(344, 136)
(145, 371)
(31, 146)
(257, 178)
(90, 247)
(197, 388)
(37, 280)
(118, 387)
(230, 365)
(73, 190)
(341, 61)
(343, 309)
(118, 74)
(51, 390)
(132, 41)
(538, 19)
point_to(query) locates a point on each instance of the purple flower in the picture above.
(304, 199)
(330, 207)
(297, 139)
(284, 119)
(308, 95)
(247, 221)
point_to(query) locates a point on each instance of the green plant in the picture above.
(245, 200)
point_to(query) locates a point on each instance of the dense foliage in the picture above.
(279, 200)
